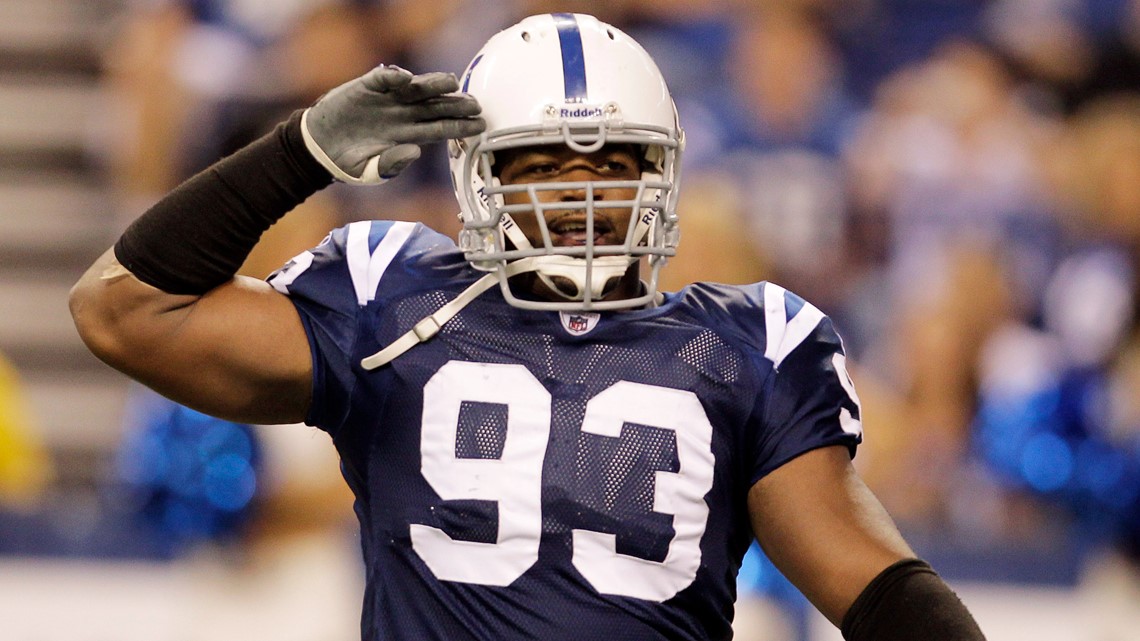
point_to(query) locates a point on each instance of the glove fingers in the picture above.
(394, 160)
(369, 129)
(442, 107)
(383, 166)
(443, 129)
(460, 127)
(426, 86)
(386, 78)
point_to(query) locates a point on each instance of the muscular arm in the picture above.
(824, 529)
(165, 307)
(830, 536)
(238, 352)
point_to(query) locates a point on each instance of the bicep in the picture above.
(824, 530)
(238, 352)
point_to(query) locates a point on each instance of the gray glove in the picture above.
(369, 129)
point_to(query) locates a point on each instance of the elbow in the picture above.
(122, 321)
(99, 326)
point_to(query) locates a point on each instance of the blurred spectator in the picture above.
(787, 85)
(779, 124)
(1070, 51)
(879, 37)
(188, 77)
(690, 44)
(949, 162)
(921, 410)
(954, 224)
(1059, 417)
(444, 35)
(717, 245)
(26, 468)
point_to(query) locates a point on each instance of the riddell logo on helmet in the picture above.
(583, 111)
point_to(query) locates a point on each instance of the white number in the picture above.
(678, 493)
(849, 423)
(515, 480)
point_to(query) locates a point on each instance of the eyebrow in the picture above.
(511, 155)
(558, 150)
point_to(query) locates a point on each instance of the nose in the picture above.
(580, 172)
(577, 195)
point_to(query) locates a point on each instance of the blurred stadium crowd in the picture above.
(955, 182)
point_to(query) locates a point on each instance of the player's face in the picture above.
(558, 163)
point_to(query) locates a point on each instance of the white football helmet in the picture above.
(568, 79)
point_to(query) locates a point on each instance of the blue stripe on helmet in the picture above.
(470, 68)
(573, 61)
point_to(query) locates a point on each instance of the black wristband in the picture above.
(199, 234)
(908, 601)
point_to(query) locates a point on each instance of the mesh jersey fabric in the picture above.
(643, 434)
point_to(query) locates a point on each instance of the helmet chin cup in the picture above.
(598, 277)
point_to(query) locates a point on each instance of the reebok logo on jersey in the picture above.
(578, 323)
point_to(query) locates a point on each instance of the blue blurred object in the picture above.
(759, 577)
(187, 476)
(1048, 440)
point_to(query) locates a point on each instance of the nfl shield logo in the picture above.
(578, 323)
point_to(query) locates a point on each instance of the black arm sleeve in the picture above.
(199, 234)
(908, 601)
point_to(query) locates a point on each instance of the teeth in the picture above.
(570, 227)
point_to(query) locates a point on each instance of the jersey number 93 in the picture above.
(514, 480)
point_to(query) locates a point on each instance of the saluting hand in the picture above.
(368, 130)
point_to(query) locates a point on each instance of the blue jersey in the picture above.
(554, 475)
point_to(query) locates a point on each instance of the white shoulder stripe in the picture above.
(785, 335)
(368, 268)
(358, 257)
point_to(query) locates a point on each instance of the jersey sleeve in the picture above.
(807, 400)
(331, 285)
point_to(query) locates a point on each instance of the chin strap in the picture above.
(603, 269)
(430, 325)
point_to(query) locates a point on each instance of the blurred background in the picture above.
(955, 182)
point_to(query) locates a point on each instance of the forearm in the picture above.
(191, 241)
(163, 307)
(197, 237)
(908, 601)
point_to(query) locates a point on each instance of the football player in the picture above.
(541, 444)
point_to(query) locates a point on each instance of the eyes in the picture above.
(538, 166)
(618, 166)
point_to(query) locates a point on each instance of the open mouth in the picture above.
(570, 230)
